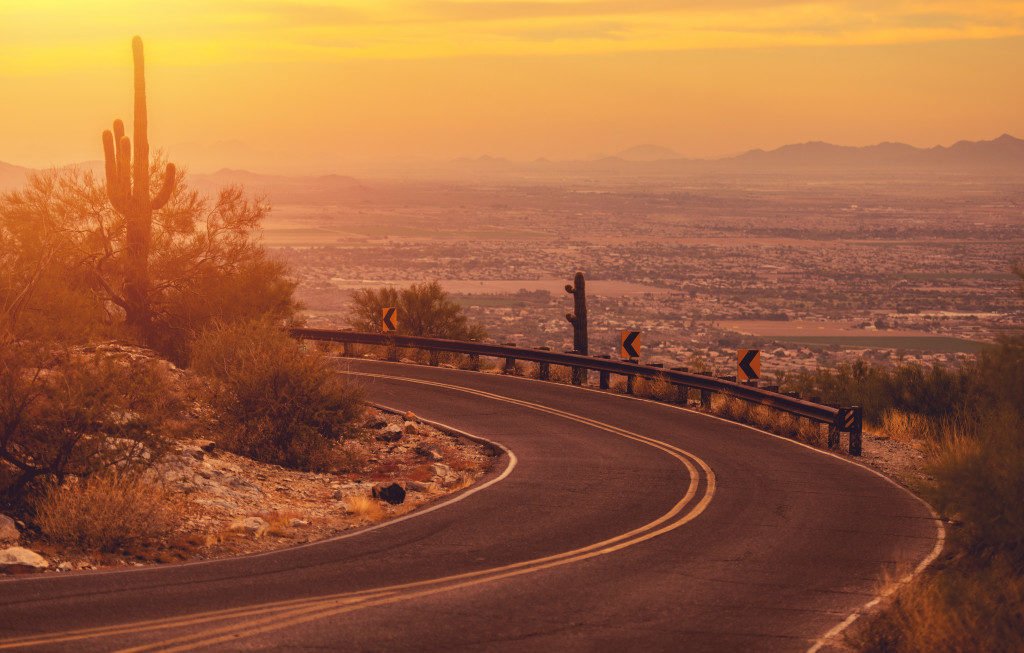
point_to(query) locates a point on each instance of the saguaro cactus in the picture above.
(128, 190)
(578, 318)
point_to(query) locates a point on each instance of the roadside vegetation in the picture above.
(424, 309)
(278, 402)
(970, 422)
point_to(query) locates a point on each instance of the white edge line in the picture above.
(458, 496)
(853, 616)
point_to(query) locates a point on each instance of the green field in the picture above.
(934, 344)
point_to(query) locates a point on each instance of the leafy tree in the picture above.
(62, 248)
(424, 309)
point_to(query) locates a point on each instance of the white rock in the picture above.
(18, 559)
(255, 526)
(298, 523)
(8, 530)
(65, 566)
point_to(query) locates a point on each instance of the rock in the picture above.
(338, 494)
(410, 427)
(393, 494)
(255, 526)
(375, 422)
(298, 523)
(8, 530)
(410, 416)
(65, 566)
(440, 469)
(392, 433)
(429, 452)
(17, 560)
(206, 445)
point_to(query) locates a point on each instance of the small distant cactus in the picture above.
(578, 318)
(128, 191)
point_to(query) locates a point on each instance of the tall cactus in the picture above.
(128, 190)
(578, 318)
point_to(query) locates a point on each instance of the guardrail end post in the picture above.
(855, 419)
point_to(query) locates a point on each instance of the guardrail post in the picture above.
(434, 358)
(474, 362)
(544, 369)
(346, 349)
(579, 374)
(853, 422)
(603, 378)
(630, 378)
(705, 399)
(510, 361)
(682, 391)
(833, 432)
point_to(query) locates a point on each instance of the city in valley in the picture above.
(812, 269)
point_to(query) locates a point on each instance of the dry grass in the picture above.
(366, 507)
(908, 427)
(956, 608)
(106, 512)
(659, 388)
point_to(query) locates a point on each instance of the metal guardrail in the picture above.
(839, 420)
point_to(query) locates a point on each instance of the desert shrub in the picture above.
(106, 512)
(280, 403)
(65, 413)
(424, 309)
(975, 599)
(658, 388)
(934, 392)
(908, 427)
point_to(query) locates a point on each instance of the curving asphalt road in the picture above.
(613, 524)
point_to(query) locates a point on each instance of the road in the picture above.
(612, 524)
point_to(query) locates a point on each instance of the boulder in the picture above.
(206, 445)
(16, 560)
(410, 427)
(8, 530)
(375, 422)
(393, 493)
(392, 433)
(255, 526)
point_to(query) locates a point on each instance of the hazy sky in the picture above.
(318, 85)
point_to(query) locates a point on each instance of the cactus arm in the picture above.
(569, 289)
(165, 190)
(124, 166)
(571, 318)
(110, 161)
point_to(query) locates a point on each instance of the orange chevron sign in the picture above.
(748, 365)
(629, 344)
(389, 319)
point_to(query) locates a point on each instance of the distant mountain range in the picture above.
(1003, 155)
(1000, 156)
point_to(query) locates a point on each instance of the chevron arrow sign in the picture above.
(748, 365)
(389, 319)
(629, 344)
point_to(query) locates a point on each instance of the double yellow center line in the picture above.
(269, 617)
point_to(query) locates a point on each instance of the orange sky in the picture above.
(321, 86)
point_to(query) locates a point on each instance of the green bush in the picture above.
(280, 403)
(424, 309)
